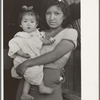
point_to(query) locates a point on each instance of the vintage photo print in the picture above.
(51, 44)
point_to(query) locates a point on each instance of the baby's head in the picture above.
(28, 19)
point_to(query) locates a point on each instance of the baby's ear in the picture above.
(21, 26)
(37, 24)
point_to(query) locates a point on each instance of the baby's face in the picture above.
(28, 23)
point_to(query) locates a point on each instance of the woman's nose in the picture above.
(52, 16)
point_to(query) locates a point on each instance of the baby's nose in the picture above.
(28, 23)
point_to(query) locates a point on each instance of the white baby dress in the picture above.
(30, 44)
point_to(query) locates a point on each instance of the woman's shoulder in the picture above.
(70, 31)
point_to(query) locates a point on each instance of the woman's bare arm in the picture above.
(60, 50)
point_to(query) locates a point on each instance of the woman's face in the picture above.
(54, 16)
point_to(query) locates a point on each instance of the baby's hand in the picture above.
(52, 40)
(26, 55)
(22, 54)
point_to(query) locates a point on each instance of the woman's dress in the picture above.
(52, 70)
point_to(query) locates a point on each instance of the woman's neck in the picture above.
(54, 31)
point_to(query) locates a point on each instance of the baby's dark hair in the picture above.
(63, 4)
(28, 11)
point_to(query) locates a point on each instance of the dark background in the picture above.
(11, 11)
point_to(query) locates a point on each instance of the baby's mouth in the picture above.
(28, 27)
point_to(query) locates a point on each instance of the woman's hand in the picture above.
(22, 68)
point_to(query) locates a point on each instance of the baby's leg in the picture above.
(25, 95)
(45, 90)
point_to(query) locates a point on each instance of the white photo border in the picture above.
(89, 50)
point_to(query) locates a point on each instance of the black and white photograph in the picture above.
(42, 50)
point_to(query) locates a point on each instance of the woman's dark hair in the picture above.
(63, 4)
(28, 11)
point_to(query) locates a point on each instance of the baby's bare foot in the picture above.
(45, 90)
(27, 97)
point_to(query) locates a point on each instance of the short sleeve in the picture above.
(13, 48)
(42, 36)
(71, 35)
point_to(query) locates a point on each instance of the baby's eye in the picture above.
(32, 21)
(25, 21)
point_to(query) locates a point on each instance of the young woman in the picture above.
(54, 56)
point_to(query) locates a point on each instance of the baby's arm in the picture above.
(48, 41)
(21, 53)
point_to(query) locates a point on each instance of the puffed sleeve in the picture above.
(42, 37)
(42, 34)
(13, 48)
(71, 35)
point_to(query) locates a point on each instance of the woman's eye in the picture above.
(56, 13)
(32, 21)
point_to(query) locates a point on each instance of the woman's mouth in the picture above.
(52, 23)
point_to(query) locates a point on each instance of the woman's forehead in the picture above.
(54, 8)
